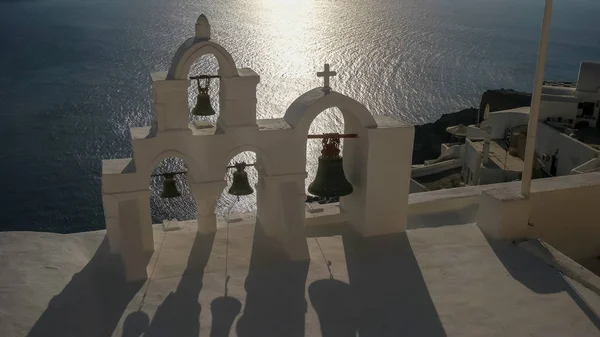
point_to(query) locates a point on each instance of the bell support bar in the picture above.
(184, 172)
(168, 173)
(203, 77)
(333, 135)
(235, 166)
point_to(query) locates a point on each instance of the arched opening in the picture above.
(229, 207)
(205, 65)
(328, 121)
(180, 208)
(305, 110)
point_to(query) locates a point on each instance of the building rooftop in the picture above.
(559, 90)
(589, 77)
(584, 134)
(443, 281)
(560, 84)
(499, 158)
(523, 110)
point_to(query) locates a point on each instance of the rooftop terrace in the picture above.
(445, 281)
(445, 276)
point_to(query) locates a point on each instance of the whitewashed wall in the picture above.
(496, 175)
(471, 163)
(572, 153)
(592, 165)
(566, 110)
(501, 120)
(435, 168)
(563, 211)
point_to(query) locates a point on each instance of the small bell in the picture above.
(203, 106)
(169, 187)
(240, 184)
(330, 180)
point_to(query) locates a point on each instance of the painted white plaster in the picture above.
(592, 165)
(503, 214)
(571, 152)
(445, 281)
(501, 120)
(375, 164)
(435, 168)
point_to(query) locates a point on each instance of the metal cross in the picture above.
(326, 74)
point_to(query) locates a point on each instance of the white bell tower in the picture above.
(377, 162)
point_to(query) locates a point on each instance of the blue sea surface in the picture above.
(74, 76)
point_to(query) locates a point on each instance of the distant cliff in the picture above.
(429, 137)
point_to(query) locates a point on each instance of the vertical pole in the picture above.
(535, 103)
(505, 158)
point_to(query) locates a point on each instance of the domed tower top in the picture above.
(202, 28)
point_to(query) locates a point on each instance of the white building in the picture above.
(464, 262)
(573, 103)
(568, 137)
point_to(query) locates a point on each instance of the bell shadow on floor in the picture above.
(93, 301)
(179, 314)
(337, 307)
(275, 286)
(224, 311)
(391, 295)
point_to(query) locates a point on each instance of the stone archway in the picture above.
(194, 169)
(263, 161)
(357, 119)
(305, 109)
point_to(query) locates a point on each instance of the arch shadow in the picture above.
(389, 288)
(179, 314)
(92, 303)
(275, 286)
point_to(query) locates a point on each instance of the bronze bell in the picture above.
(330, 180)
(203, 106)
(169, 187)
(240, 184)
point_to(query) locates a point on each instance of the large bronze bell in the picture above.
(330, 180)
(169, 187)
(203, 106)
(240, 184)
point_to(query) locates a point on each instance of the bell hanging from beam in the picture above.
(203, 106)
(330, 180)
(169, 187)
(240, 184)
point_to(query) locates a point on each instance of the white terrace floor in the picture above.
(443, 281)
